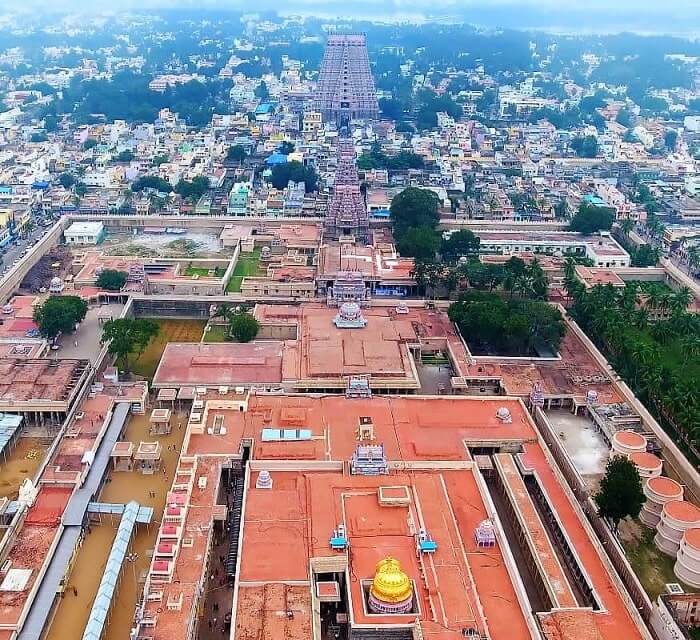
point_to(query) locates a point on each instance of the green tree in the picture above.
(462, 243)
(295, 171)
(80, 189)
(243, 327)
(193, 189)
(507, 327)
(60, 314)
(585, 147)
(89, 144)
(66, 180)
(111, 279)
(414, 208)
(620, 494)
(236, 153)
(151, 182)
(483, 276)
(420, 243)
(671, 139)
(286, 148)
(125, 336)
(591, 218)
(50, 123)
(626, 226)
(125, 156)
(262, 92)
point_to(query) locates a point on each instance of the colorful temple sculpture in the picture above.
(345, 85)
(347, 215)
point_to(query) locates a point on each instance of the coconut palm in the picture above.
(694, 257)
(681, 299)
(626, 226)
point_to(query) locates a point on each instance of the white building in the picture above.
(84, 233)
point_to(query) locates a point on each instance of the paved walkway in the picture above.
(87, 336)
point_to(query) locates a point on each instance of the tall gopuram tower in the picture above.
(345, 88)
(347, 214)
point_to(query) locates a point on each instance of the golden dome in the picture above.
(390, 584)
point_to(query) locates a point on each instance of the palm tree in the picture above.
(653, 297)
(662, 331)
(225, 311)
(629, 297)
(691, 348)
(681, 299)
(626, 226)
(694, 257)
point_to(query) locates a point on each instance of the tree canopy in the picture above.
(295, 171)
(111, 279)
(151, 182)
(128, 335)
(375, 159)
(620, 494)
(419, 242)
(590, 218)
(66, 180)
(654, 343)
(414, 208)
(585, 147)
(60, 314)
(125, 156)
(520, 327)
(193, 189)
(462, 243)
(236, 153)
(243, 326)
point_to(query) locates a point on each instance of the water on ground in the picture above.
(22, 462)
(121, 487)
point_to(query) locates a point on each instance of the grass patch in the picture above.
(653, 568)
(203, 272)
(247, 265)
(645, 286)
(216, 333)
(170, 331)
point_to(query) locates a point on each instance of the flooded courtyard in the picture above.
(22, 462)
(120, 487)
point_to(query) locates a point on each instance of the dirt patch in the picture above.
(56, 262)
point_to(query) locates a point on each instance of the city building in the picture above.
(84, 233)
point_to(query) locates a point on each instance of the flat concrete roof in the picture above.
(217, 364)
(36, 380)
(425, 440)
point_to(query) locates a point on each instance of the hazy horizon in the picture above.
(673, 17)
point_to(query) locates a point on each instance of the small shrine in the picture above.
(147, 458)
(391, 592)
(485, 534)
(122, 455)
(56, 285)
(350, 317)
(159, 422)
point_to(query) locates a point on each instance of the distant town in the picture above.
(317, 330)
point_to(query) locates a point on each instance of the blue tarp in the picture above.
(276, 158)
(110, 578)
(9, 423)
